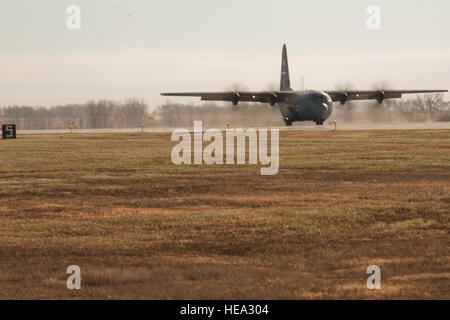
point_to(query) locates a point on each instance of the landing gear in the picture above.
(288, 123)
(319, 122)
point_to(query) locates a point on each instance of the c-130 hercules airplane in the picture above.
(304, 105)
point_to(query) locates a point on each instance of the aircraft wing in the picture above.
(235, 96)
(380, 95)
(273, 97)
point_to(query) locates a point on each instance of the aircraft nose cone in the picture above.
(326, 109)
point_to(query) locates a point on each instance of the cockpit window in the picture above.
(318, 97)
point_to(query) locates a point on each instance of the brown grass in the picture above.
(141, 227)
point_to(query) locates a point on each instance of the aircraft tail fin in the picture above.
(285, 83)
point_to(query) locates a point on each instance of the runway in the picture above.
(295, 127)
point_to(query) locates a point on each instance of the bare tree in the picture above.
(434, 103)
(135, 112)
(92, 113)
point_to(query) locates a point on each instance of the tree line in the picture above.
(130, 113)
(134, 113)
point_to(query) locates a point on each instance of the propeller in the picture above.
(236, 86)
(271, 87)
(382, 86)
(348, 106)
(377, 109)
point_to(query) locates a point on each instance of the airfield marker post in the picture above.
(335, 125)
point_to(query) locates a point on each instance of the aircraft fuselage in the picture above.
(314, 106)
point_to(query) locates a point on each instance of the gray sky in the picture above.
(138, 48)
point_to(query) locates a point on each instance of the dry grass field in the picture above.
(141, 227)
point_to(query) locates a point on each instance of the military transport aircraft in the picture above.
(305, 105)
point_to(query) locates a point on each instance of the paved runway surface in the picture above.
(301, 127)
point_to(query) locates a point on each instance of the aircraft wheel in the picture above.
(288, 123)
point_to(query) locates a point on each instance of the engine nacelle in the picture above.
(380, 96)
(273, 99)
(235, 99)
(343, 98)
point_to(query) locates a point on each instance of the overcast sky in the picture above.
(138, 48)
